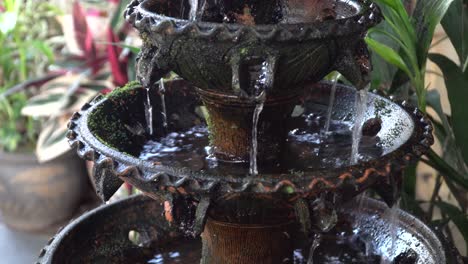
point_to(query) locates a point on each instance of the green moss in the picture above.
(122, 92)
(109, 121)
(209, 123)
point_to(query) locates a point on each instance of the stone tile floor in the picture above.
(19, 248)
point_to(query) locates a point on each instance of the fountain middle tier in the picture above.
(179, 162)
(302, 187)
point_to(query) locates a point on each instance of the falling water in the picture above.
(392, 215)
(253, 151)
(149, 112)
(361, 103)
(313, 247)
(193, 9)
(331, 103)
(162, 90)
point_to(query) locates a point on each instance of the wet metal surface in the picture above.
(405, 134)
(102, 236)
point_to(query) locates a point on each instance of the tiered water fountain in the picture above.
(250, 150)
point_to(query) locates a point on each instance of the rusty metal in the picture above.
(231, 125)
(230, 243)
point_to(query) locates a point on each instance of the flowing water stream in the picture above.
(193, 9)
(162, 91)
(253, 170)
(149, 112)
(361, 105)
(331, 103)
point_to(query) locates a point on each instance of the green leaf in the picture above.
(7, 22)
(444, 133)
(427, 15)
(455, 81)
(52, 142)
(409, 204)
(409, 181)
(45, 49)
(118, 15)
(455, 24)
(458, 217)
(388, 54)
(447, 171)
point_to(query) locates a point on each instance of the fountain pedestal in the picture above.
(230, 123)
(230, 243)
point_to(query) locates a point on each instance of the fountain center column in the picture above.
(231, 243)
(231, 123)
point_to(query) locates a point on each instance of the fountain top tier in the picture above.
(237, 58)
(172, 17)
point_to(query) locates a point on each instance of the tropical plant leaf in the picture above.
(455, 81)
(382, 72)
(52, 142)
(118, 66)
(388, 54)
(117, 19)
(409, 181)
(9, 18)
(455, 24)
(409, 204)
(427, 15)
(83, 34)
(459, 218)
(45, 49)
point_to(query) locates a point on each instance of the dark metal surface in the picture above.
(215, 56)
(413, 139)
(101, 236)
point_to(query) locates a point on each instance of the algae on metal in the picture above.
(117, 131)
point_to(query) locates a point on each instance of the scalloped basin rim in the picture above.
(432, 249)
(367, 14)
(414, 146)
(146, 10)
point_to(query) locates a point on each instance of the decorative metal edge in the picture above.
(161, 178)
(149, 22)
(46, 254)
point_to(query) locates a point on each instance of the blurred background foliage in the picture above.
(402, 47)
(27, 30)
(58, 55)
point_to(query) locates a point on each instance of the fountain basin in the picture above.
(107, 133)
(228, 58)
(102, 236)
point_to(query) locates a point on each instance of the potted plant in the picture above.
(402, 47)
(43, 189)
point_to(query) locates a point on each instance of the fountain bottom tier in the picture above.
(133, 231)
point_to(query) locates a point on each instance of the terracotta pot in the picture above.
(40, 197)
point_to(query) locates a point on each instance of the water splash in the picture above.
(392, 216)
(254, 149)
(361, 201)
(313, 247)
(149, 112)
(361, 105)
(162, 91)
(331, 103)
